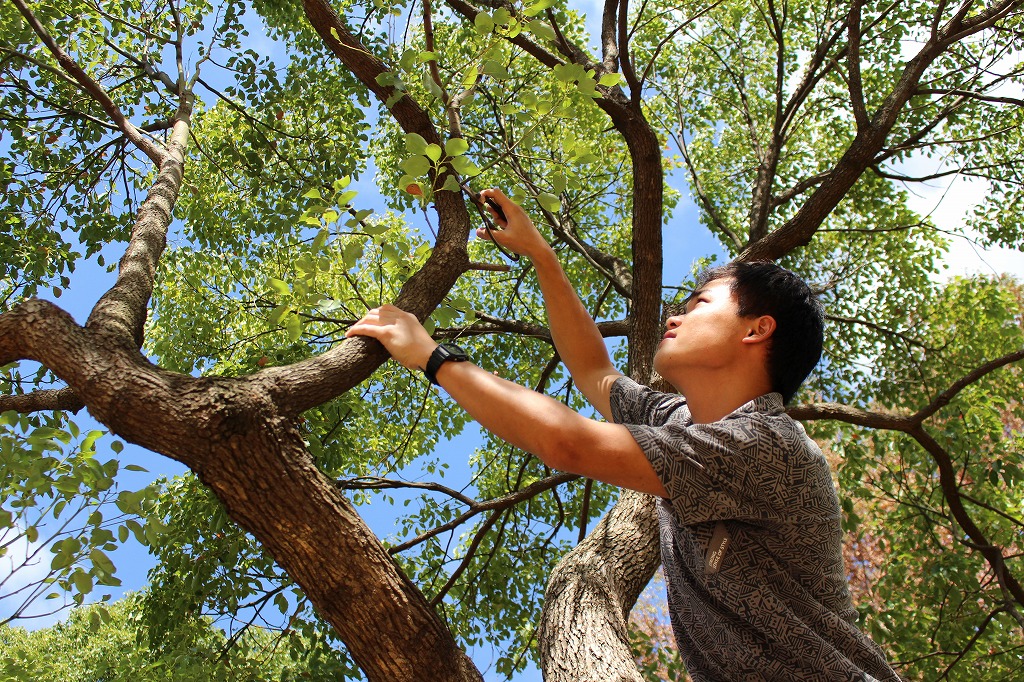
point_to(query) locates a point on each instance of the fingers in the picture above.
(375, 321)
(498, 196)
(495, 196)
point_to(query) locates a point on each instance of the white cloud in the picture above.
(947, 203)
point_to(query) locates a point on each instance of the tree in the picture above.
(110, 644)
(801, 128)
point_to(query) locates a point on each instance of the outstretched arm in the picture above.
(534, 422)
(576, 336)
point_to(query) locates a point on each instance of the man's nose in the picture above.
(673, 321)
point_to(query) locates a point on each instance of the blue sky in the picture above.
(685, 241)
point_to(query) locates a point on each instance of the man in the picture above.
(750, 521)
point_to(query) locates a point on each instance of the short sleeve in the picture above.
(633, 403)
(737, 468)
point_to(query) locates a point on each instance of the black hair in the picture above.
(763, 288)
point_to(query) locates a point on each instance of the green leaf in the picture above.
(101, 561)
(293, 325)
(278, 313)
(542, 30)
(279, 287)
(456, 146)
(62, 560)
(463, 166)
(89, 442)
(415, 144)
(82, 581)
(351, 253)
(538, 7)
(433, 152)
(313, 194)
(484, 23)
(451, 184)
(549, 201)
(495, 69)
(416, 166)
(432, 86)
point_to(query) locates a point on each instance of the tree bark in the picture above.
(583, 633)
(233, 436)
(238, 434)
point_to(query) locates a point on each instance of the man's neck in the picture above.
(710, 399)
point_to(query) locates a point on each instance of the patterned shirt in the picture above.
(751, 543)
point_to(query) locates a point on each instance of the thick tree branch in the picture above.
(43, 400)
(591, 592)
(625, 58)
(609, 39)
(870, 139)
(233, 437)
(856, 84)
(121, 312)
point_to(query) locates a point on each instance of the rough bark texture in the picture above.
(583, 633)
(231, 434)
(238, 434)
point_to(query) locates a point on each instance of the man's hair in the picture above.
(763, 288)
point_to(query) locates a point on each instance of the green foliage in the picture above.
(111, 643)
(63, 512)
(210, 572)
(281, 239)
(895, 507)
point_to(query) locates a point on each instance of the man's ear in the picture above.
(760, 329)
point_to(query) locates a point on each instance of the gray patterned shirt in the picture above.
(751, 543)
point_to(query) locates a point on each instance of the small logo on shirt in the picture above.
(716, 549)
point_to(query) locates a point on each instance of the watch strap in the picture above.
(442, 354)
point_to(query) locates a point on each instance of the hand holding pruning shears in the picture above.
(517, 232)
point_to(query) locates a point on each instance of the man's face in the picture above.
(708, 336)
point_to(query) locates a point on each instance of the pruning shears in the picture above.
(480, 202)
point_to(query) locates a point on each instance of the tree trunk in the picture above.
(583, 634)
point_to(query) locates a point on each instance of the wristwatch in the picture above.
(442, 354)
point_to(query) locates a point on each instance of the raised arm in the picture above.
(576, 336)
(537, 423)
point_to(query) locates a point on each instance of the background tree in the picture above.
(110, 644)
(801, 127)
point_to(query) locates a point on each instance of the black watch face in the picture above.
(455, 352)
